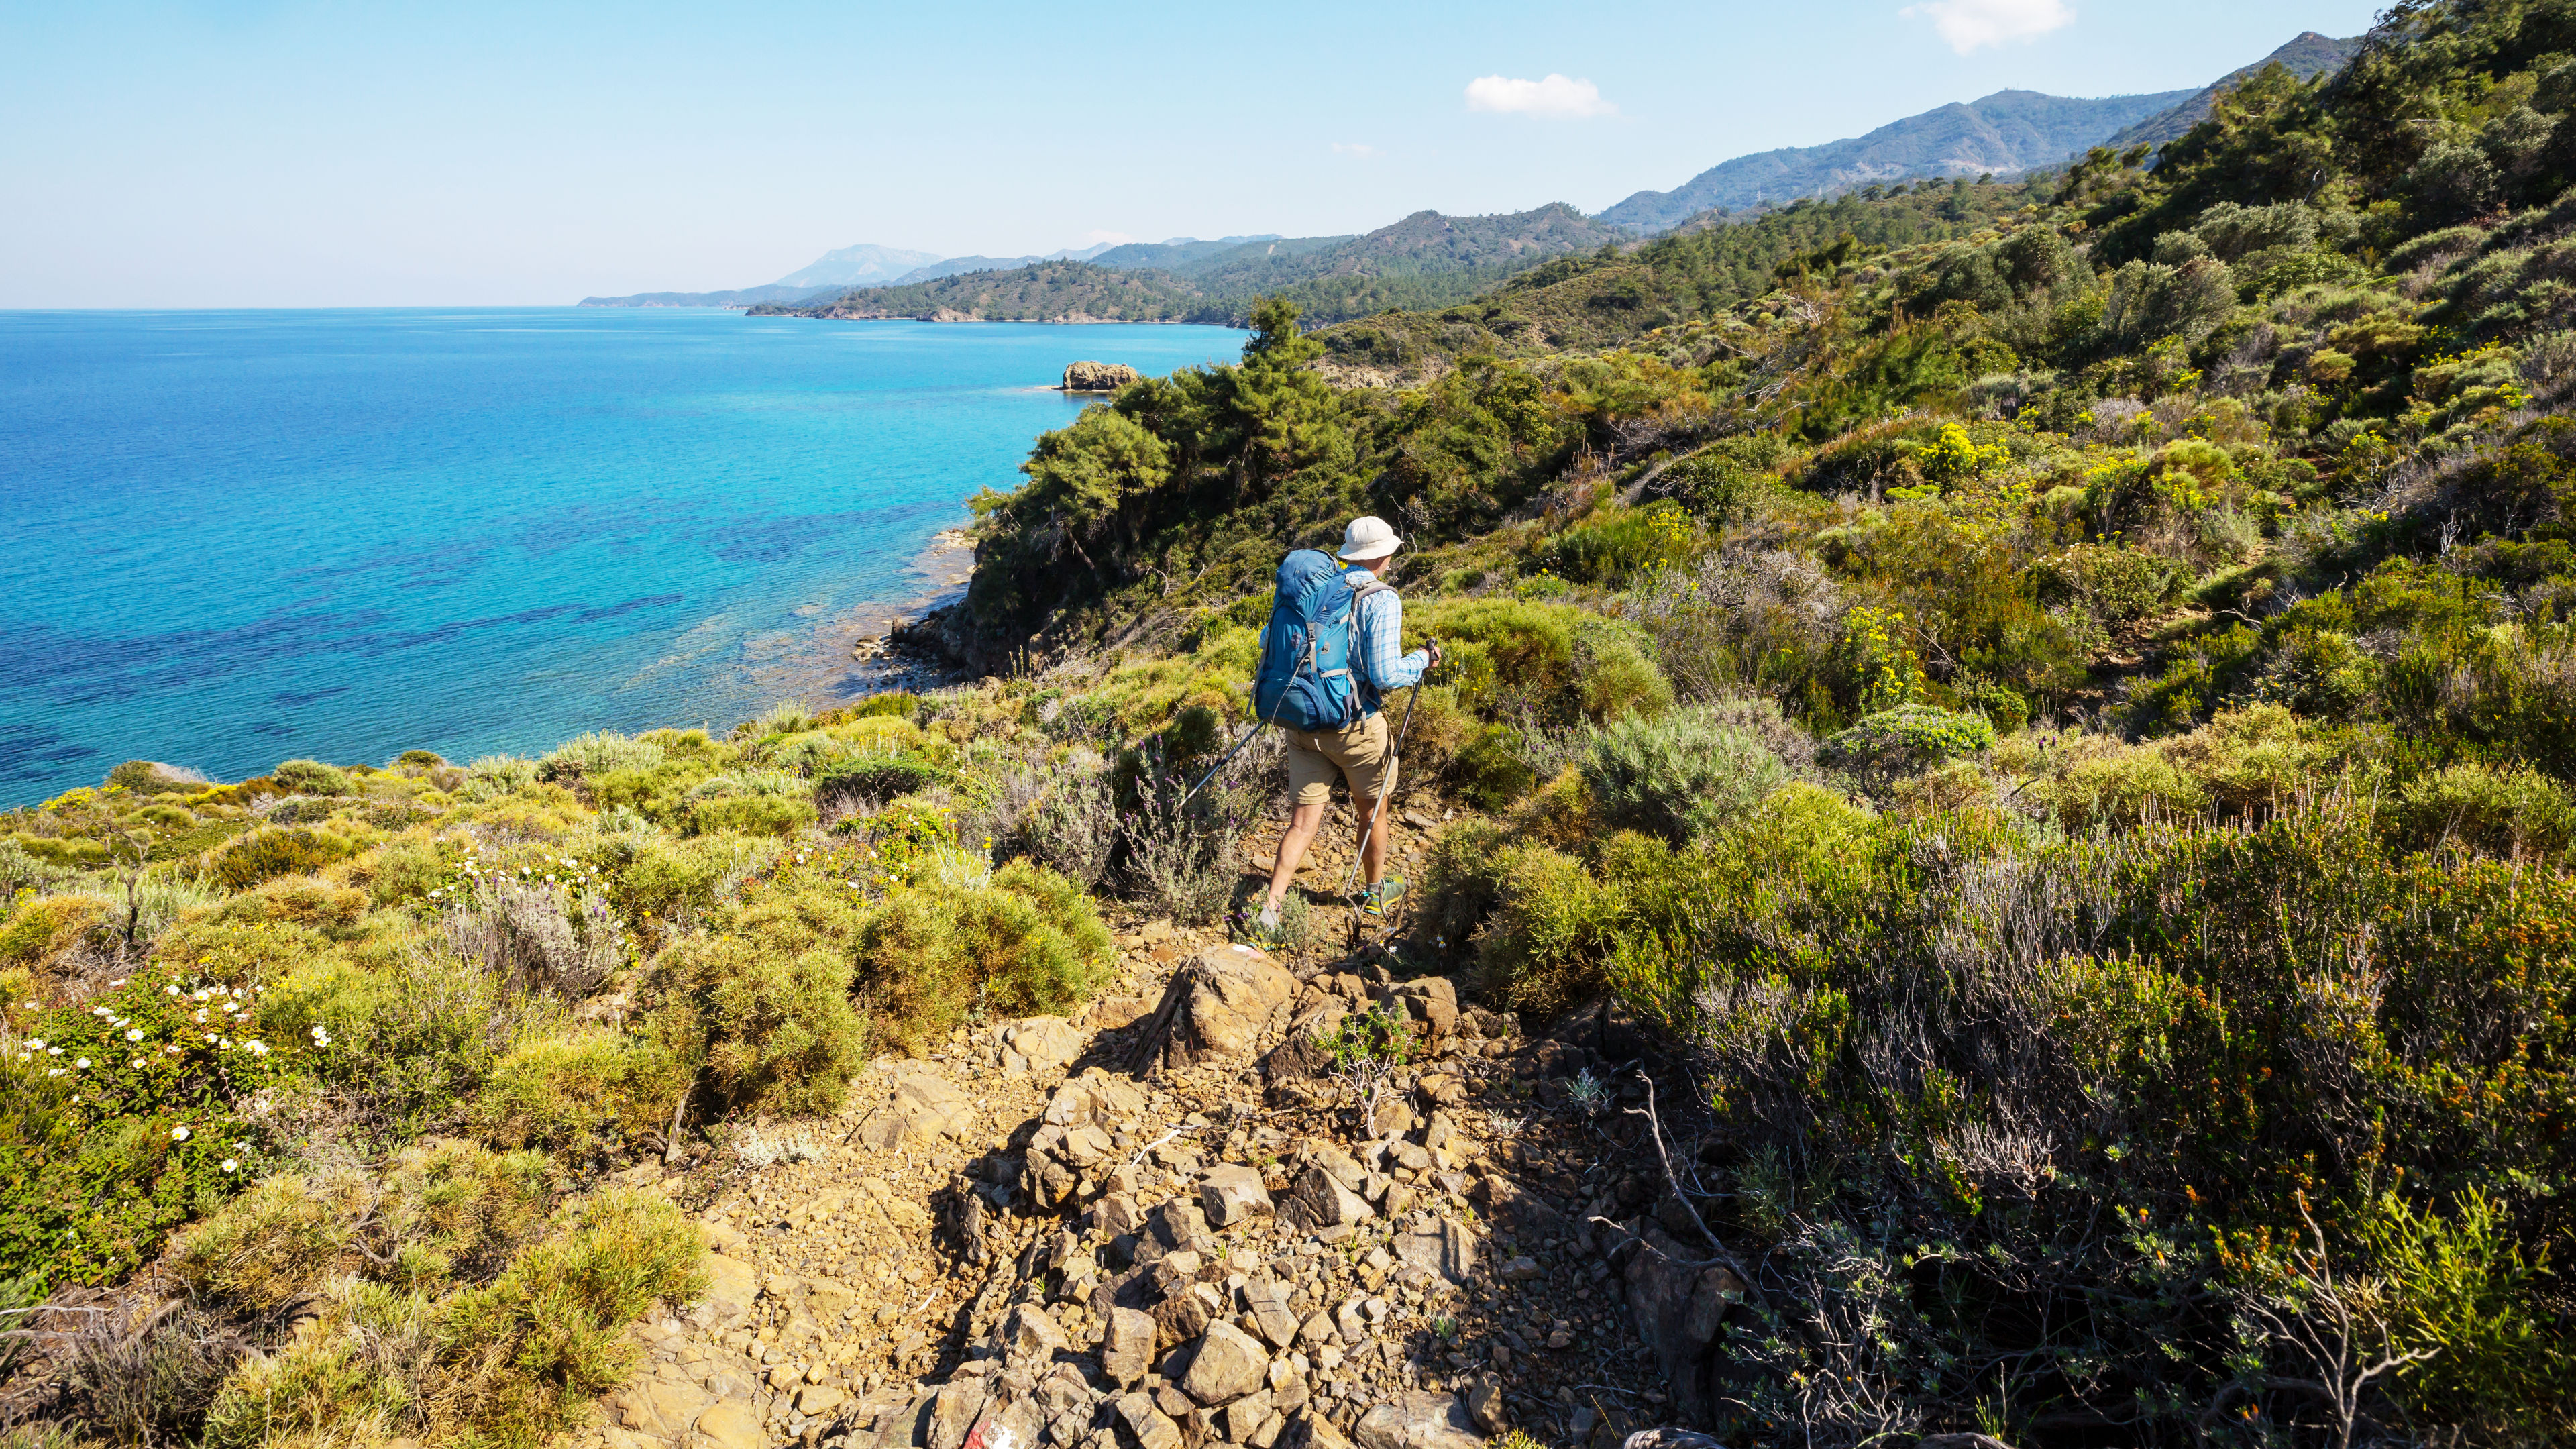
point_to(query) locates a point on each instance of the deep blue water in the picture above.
(235, 538)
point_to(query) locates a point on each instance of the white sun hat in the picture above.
(1368, 538)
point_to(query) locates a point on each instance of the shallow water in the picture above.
(235, 538)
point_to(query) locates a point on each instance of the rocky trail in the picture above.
(1177, 1220)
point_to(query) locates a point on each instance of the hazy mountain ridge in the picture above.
(744, 297)
(2004, 134)
(856, 266)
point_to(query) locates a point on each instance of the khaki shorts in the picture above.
(1357, 754)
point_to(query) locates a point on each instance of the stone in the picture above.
(1231, 1194)
(1311, 1430)
(1110, 1013)
(1239, 1419)
(1029, 1333)
(1319, 1199)
(734, 1424)
(732, 1287)
(1127, 1349)
(658, 1405)
(1183, 1316)
(1230, 1364)
(1418, 1421)
(814, 1400)
(1116, 1214)
(1350, 1322)
(954, 1410)
(1267, 1303)
(1153, 1430)
(1318, 1331)
(1047, 1041)
(1215, 1006)
(1432, 1001)
(1391, 1118)
(828, 1297)
(922, 1109)
(1099, 376)
(1449, 1249)
(1520, 1270)
(1485, 1406)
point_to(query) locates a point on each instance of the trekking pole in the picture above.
(1257, 727)
(1386, 785)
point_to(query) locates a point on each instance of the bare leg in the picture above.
(1373, 841)
(1303, 822)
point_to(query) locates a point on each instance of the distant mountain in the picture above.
(746, 297)
(2003, 134)
(2305, 56)
(1425, 260)
(857, 267)
(952, 266)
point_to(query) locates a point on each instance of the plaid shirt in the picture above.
(1382, 636)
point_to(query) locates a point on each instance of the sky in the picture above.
(382, 154)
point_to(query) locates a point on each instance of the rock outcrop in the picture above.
(1099, 376)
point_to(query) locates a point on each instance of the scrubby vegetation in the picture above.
(346, 1050)
(2053, 700)
(2052, 697)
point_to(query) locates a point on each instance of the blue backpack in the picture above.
(1307, 680)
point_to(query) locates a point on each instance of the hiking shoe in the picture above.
(1380, 899)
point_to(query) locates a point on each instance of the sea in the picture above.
(232, 538)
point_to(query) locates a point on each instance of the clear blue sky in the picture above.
(303, 154)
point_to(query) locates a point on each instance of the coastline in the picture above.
(850, 654)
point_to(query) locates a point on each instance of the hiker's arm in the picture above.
(1382, 633)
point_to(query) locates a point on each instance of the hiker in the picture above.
(1329, 653)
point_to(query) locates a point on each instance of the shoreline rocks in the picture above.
(1099, 376)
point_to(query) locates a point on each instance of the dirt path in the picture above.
(1035, 1235)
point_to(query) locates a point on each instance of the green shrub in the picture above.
(1552, 924)
(898, 704)
(440, 1211)
(1489, 772)
(321, 1388)
(1027, 943)
(2509, 811)
(581, 1097)
(131, 1118)
(1905, 739)
(768, 1001)
(596, 753)
(776, 815)
(520, 1360)
(312, 777)
(875, 778)
(1551, 664)
(38, 930)
(2125, 790)
(2115, 584)
(1680, 776)
(269, 853)
(1616, 543)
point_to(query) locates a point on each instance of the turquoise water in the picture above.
(235, 538)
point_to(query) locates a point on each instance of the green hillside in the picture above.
(1425, 260)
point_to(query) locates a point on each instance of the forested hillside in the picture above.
(1425, 260)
